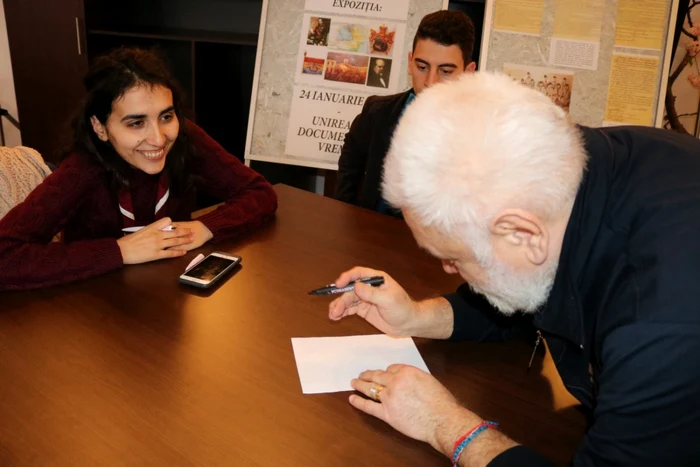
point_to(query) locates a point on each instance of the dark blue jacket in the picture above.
(622, 321)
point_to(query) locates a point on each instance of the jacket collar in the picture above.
(563, 314)
(398, 108)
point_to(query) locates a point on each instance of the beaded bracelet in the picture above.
(462, 442)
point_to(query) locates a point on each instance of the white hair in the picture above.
(467, 149)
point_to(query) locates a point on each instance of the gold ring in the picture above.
(375, 390)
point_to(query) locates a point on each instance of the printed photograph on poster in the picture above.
(346, 68)
(379, 73)
(381, 39)
(349, 37)
(313, 65)
(555, 84)
(350, 53)
(318, 31)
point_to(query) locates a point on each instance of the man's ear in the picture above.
(523, 230)
(410, 63)
(471, 68)
(99, 129)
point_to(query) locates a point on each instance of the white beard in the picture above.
(509, 291)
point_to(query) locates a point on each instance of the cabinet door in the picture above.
(47, 47)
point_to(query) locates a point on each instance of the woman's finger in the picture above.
(183, 232)
(175, 242)
(159, 224)
(172, 253)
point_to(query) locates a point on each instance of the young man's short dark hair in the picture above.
(448, 28)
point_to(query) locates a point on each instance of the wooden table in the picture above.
(134, 369)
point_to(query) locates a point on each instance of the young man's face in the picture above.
(431, 62)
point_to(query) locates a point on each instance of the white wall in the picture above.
(7, 85)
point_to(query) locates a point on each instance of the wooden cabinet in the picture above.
(48, 62)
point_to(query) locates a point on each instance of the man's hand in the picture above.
(390, 309)
(417, 405)
(413, 401)
(387, 307)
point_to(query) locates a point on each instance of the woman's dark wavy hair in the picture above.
(109, 78)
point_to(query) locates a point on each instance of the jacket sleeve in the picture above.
(353, 157)
(520, 456)
(29, 258)
(250, 200)
(476, 320)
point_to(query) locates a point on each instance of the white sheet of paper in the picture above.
(328, 364)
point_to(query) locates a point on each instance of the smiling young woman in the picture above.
(135, 161)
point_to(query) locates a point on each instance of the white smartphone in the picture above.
(210, 270)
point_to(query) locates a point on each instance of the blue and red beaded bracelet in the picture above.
(462, 442)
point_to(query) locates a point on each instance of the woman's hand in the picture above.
(151, 243)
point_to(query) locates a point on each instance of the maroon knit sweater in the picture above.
(76, 200)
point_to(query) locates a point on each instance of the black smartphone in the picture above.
(210, 270)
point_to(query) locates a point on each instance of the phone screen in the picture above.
(209, 268)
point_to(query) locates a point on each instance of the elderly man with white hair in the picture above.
(588, 237)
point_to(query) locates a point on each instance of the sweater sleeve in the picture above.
(29, 258)
(250, 200)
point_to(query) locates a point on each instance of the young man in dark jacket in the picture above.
(442, 50)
